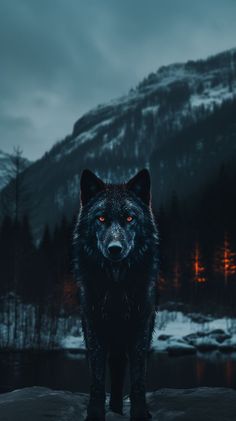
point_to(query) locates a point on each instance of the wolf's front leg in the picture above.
(138, 351)
(97, 361)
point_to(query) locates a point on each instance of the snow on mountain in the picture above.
(178, 89)
(134, 131)
(211, 97)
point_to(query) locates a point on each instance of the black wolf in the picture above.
(116, 267)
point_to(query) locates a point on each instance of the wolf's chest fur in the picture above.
(118, 291)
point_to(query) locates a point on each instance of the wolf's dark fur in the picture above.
(116, 267)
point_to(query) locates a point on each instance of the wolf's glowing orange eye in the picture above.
(129, 218)
(101, 218)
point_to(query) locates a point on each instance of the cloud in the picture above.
(60, 58)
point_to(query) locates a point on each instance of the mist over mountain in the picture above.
(180, 122)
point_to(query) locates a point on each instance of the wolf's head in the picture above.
(115, 218)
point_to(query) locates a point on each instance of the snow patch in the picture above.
(73, 342)
(150, 110)
(82, 138)
(110, 145)
(178, 334)
(211, 97)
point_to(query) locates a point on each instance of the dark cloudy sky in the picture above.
(59, 58)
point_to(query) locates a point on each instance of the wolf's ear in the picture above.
(140, 184)
(90, 185)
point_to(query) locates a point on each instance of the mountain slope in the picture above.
(194, 157)
(137, 130)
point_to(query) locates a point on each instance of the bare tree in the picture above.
(15, 204)
(15, 196)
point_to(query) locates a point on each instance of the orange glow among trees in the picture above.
(229, 374)
(226, 260)
(69, 293)
(161, 282)
(198, 267)
(200, 369)
(176, 275)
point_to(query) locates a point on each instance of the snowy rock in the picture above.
(192, 337)
(209, 341)
(163, 337)
(73, 342)
(206, 344)
(179, 347)
(40, 404)
(173, 345)
(219, 335)
(199, 318)
(229, 345)
(176, 333)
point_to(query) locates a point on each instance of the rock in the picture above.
(209, 341)
(192, 337)
(164, 337)
(216, 332)
(200, 404)
(178, 348)
(219, 335)
(41, 404)
(199, 318)
(72, 342)
(206, 344)
(229, 345)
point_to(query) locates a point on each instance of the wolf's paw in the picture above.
(116, 406)
(95, 414)
(146, 417)
(118, 409)
(142, 416)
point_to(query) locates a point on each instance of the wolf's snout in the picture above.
(115, 249)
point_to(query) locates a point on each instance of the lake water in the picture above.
(69, 371)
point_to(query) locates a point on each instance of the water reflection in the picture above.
(68, 371)
(200, 369)
(213, 369)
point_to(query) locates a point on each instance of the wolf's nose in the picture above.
(114, 249)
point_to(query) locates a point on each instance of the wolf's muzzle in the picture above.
(115, 250)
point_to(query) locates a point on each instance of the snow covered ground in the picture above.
(175, 332)
(40, 404)
(178, 333)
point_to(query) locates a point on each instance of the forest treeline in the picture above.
(38, 296)
(38, 292)
(197, 250)
(198, 244)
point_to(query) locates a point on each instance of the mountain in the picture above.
(179, 122)
(5, 166)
